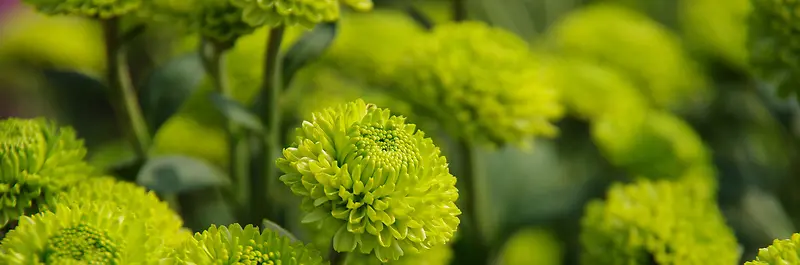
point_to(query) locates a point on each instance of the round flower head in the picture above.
(161, 222)
(37, 159)
(90, 233)
(774, 43)
(230, 245)
(482, 83)
(656, 222)
(779, 253)
(636, 46)
(374, 179)
(307, 13)
(102, 9)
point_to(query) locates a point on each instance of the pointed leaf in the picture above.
(169, 87)
(236, 112)
(176, 174)
(307, 49)
(267, 224)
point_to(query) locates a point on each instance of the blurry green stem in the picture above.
(459, 10)
(474, 245)
(336, 258)
(268, 172)
(123, 95)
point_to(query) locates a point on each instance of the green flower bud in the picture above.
(774, 44)
(611, 34)
(102, 9)
(374, 179)
(307, 13)
(37, 160)
(90, 233)
(482, 83)
(230, 245)
(779, 253)
(656, 222)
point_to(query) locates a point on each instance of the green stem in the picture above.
(336, 258)
(265, 171)
(122, 90)
(473, 244)
(459, 10)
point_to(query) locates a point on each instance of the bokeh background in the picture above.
(686, 58)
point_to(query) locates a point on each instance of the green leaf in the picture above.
(267, 224)
(307, 49)
(177, 174)
(168, 88)
(237, 113)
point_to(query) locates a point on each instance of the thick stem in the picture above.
(265, 171)
(473, 244)
(122, 91)
(459, 10)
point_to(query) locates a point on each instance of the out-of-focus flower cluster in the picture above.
(782, 251)
(774, 43)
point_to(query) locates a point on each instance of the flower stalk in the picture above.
(122, 90)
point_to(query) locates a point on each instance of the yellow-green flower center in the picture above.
(256, 254)
(388, 147)
(82, 243)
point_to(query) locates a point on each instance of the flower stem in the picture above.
(122, 90)
(473, 244)
(265, 171)
(459, 10)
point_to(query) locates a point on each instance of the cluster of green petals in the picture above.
(37, 160)
(306, 13)
(782, 251)
(378, 182)
(102, 9)
(656, 222)
(774, 27)
(234, 245)
(216, 20)
(90, 233)
(438, 255)
(483, 84)
(163, 225)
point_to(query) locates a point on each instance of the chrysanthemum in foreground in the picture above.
(374, 179)
(37, 159)
(779, 253)
(162, 223)
(229, 245)
(92, 233)
(656, 222)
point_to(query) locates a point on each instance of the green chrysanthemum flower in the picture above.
(774, 43)
(91, 233)
(636, 46)
(295, 12)
(231, 245)
(102, 9)
(779, 253)
(438, 255)
(37, 159)
(482, 83)
(374, 179)
(717, 28)
(161, 222)
(656, 222)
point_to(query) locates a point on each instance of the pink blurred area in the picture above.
(7, 6)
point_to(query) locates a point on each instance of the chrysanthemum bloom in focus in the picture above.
(374, 179)
(307, 13)
(102, 9)
(161, 222)
(482, 83)
(774, 43)
(89, 233)
(656, 222)
(37, 159)
(780, 252)
(229, 245)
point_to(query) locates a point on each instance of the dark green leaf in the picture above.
(237, 113)
(202, 208)
(168, 87)
(307, 49)
(267, 224)
(176, 174)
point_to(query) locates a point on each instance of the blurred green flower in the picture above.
(216, 20)
(780, 252)
(373, 178)
(102, 9)
(161, 222)
(438, 255)
(774, 43)
(656, 222)
(230, 245)
(306, 13)
(532, 246)
(482, 83)
(90, 233)
(636, 46)
(717, 28)
(37, 160)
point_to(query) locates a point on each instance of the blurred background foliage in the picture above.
(655, 89)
